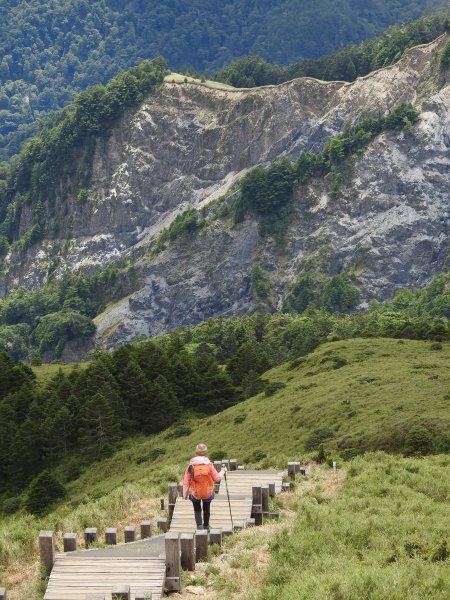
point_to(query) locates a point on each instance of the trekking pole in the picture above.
(228, 496)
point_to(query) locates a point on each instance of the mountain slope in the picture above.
(186, 145)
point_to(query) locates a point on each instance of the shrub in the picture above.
(436, 346)
(11, 505)
(239, 419)
(216, 455)
(418, 440)
(155, 453)
(317, 437)
(42, 492)
(321, 456)
(272, 387)
(349, 453)
(256, 456)
(180, 431)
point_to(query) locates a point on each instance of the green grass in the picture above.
(384, 537)
(46, 372)
(179, 78)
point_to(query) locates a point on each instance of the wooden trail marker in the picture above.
(47, 549)
(111, 536)
(146, 529)
(201, 545)
(70, 542)
(187, 544)
(173, 562)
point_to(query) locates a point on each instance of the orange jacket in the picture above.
(188, 481)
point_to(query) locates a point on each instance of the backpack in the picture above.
(203, 483)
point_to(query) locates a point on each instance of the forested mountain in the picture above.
(50, 50)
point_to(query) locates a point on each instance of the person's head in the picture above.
(201, 449)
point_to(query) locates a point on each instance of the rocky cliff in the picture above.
(189, 143)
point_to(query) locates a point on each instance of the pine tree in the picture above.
(164, 407)
(134, 389)
(99, 428)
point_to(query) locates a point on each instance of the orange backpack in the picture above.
(203, 482)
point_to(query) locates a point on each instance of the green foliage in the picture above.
(42, 492)
(445, 56)
(185, 225)
(335, 294)
(317, 437)
(11, 505)
(260, 281)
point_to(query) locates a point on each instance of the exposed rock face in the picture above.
(190, 143)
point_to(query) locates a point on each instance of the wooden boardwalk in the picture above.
(142, 565)
(74, 575)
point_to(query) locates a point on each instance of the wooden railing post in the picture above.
(272, 490)
(2, 594)
(257, 504)
(47, 549)
(121, 592)
(162, 503)
(146, 529)
(201, 545)
(161, 523)
(217, 465)
(70, 542)
(265, 500)
(111, 536)
(90, 536)
(233, 464)
(215, 537)
(130, 534)
(187, 551)
(173, 562)
(291, 470)
(173, 495)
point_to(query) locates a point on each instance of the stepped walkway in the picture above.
(145, 568)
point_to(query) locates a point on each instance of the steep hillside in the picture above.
(386, 225)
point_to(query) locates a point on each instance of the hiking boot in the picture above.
(200, 527)
(207, 527)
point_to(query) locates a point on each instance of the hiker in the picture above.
(198, 484)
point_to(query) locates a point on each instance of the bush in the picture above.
(156, 453)
(418, 441)
(256, 456)
(216, 455)
(42, 492)
(239, 419)
(321, 456)
(317, 437)
(180, 431)
(349, 453)
(11, 505)
(272, 387)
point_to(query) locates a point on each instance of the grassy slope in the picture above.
(388, 384)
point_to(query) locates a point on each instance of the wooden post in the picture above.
(180, 489)
(162, 503)
(241, 468)
(233, 464)
(143, 595)
(265, 500)
(173, 562)
(2, 594)
(70, 541)
(215, 537)
(272, 490)
(297, 467)
(302, 471)
(217, 465)
(285, 486)
(111, 536)
(47, 549)
(162, 524)
(187, 551)
(121, 592)
(130, 534)
(201, 545)
(257, 504)
(173, 495)
(291, 470)
(90, 536)
(226, 462)
(146, 529)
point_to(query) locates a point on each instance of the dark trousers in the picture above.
(198, 510)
